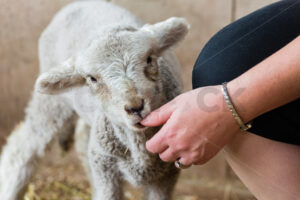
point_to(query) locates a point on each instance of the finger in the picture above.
(201, 160)
(186, 161)
(159, 116)
(204, 154)
(157, 143)
(195, 159)
(168, 155)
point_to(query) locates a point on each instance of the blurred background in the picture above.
(60, 175)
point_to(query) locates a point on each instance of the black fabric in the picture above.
(243, 44)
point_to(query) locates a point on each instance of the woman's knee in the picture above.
(270, 169)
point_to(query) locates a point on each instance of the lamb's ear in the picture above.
(58, 80)
(168, 32)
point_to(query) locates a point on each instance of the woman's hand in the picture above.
(197, 124)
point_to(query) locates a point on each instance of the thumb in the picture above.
(159, 116)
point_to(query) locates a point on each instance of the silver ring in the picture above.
(179, 165)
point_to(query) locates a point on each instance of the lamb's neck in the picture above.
(135, 141)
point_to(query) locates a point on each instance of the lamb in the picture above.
(100, 63)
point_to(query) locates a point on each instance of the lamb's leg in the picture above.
(66, 135)
(105, 174)
(162, 189)
(82, 134)
(105, 179)
(45, 116)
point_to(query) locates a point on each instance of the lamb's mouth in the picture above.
(139, 125)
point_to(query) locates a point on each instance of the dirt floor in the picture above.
(61, 177)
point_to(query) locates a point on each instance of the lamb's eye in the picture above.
(93, 79)
(149, 60)
(151, 72)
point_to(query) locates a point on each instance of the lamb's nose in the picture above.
(136, 107)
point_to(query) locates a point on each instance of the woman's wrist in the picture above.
(242, 101)
(243, 126)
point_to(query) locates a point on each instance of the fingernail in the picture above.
(147, 145)
(146, 119)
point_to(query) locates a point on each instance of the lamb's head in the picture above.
(120, 70)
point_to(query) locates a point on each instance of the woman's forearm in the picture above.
(270, 84)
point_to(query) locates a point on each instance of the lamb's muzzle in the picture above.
(135, 107)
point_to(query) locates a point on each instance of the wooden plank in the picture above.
(21, 24)
(244, 7)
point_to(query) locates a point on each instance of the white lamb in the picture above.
(99, 62)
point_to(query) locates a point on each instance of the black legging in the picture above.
(243, 44)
